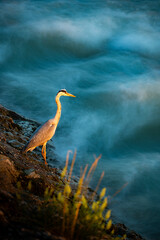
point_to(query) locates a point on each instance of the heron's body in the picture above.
(46, 131)
(42, 135)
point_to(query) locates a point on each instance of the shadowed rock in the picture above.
(8, 174)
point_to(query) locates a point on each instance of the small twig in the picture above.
(118, 191)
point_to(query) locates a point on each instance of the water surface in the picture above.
(107, 53)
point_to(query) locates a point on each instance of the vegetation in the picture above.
(74, 212)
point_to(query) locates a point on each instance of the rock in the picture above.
(3, 220)
(4, 195)
(15, 130)
(8, 174)
(33, 175)
(29, 171)
(121, 229)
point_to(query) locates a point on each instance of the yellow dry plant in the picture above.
(78, 214)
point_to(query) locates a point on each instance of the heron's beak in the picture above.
(70, 95)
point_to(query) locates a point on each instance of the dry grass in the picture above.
(75, 214)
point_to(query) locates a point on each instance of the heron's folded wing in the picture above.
(42, 134)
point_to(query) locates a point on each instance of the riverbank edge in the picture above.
(17, 170)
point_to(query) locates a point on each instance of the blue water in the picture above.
(107, 53)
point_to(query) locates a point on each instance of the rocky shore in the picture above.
(19, 202)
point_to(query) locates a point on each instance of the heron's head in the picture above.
(63, 92)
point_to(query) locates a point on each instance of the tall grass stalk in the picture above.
(91, 170)
(96, 189)
(71, 169)
(72, 211)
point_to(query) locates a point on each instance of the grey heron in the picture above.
(46, 131)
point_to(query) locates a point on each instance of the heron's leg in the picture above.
(44, 152)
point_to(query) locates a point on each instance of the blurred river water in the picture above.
(107, 53)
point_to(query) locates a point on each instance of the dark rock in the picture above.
(121, 229)
(3, 220)
(4, 195)
(8, 174)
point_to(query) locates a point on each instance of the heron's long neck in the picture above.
(58, 113)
